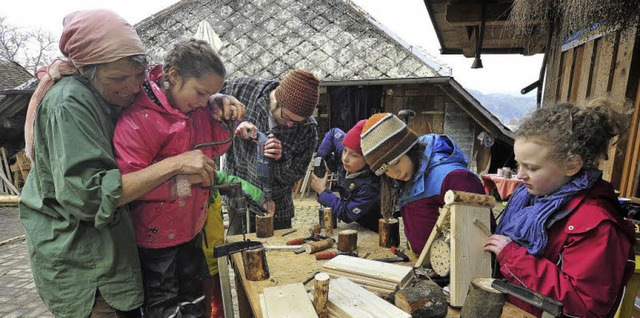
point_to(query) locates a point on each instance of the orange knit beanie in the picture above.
(384, 139)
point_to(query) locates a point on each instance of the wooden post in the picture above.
(264, 226)
(328, 221)
(255, 264)
(469, 198)
(347, 241)
(483, 301)
(389, 231)
(313, 247)
(424, 299)
(321, 294)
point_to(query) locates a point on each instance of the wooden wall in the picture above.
(606, 66)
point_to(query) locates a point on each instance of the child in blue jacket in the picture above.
(359, 189)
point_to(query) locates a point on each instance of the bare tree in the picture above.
(31, 49)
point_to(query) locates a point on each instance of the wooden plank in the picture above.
(553, 72)
(602, 66)
(630, 168)
(576, 71)
(464, 14)
(348, 299)
(363, 281)
(8, 184)
(398, 274)
(289, 300)
(423, 260)
(565, 77)
(468, 258)
(621, 72)
(585, 72)
(5, 163)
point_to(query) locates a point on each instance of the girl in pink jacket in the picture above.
(174, 113)
(563, 233)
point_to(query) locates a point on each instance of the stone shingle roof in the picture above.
(267, 38)
(12, 75)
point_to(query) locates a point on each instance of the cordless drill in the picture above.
(264, 165)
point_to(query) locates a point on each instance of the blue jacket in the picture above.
(359, 192)
(441, 156)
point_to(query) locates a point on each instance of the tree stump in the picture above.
(316, 229)
(483, 301)
(264, 226)
(321, 294)
(422, 299)
(347, 241)
(328, 221)
(255, 264)
(313, 247)
(452, 196)
(389, 232)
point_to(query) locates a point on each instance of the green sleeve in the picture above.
(254, 192)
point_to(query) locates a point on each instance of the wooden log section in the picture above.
(347, 241)
(483, 301)
(316, 229)
(389, 231)
(255, 264)
(264, 226)
(313, 247)
(440, 257)
(452, 196)
(328, 221)
(321, 295)
(422, 299)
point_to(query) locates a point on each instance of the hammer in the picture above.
(400, 257)
(406, 114)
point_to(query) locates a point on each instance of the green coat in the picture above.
(79, 241)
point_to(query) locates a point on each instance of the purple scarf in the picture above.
(527, 217)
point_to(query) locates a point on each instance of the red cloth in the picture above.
(147, 133)
(419, 217)
(587, 262)
(352, 138)
(504, 186)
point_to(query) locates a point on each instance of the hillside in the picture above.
(510, 109)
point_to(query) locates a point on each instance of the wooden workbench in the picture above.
(287, 267)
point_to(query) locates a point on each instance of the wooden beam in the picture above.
(463, 14)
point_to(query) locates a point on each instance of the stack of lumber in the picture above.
(378, 277)
(7, 185)
(348, 299)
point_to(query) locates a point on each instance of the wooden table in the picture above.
(503, 185)
(286, 267)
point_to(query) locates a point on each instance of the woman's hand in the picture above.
(273, 148)
(270, 206)
(496, 243)
(195, 162)
(246, 130)
(226, 107)
(319, 184)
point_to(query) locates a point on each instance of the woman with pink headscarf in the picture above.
(79, 232)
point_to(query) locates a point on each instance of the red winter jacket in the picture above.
(147, 133)
(587, 262)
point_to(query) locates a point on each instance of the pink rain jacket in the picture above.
(147, 133)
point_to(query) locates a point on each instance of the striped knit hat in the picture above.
(384, 139)
(298, 92)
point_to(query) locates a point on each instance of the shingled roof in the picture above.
(334, 39)
(12, 75)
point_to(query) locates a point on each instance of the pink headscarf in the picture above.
(88, 37)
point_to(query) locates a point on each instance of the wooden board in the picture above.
(372, 269)
(348, 299)
(468, 259)
(423, 260)
(288, 301)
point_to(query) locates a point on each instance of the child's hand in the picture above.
(246, 130)
(496, 243)
(319, 184)
(270, 206)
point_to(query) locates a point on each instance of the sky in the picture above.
(408, 19)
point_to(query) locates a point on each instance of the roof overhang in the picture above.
(459, 28)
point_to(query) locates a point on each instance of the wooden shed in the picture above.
(593, 61)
